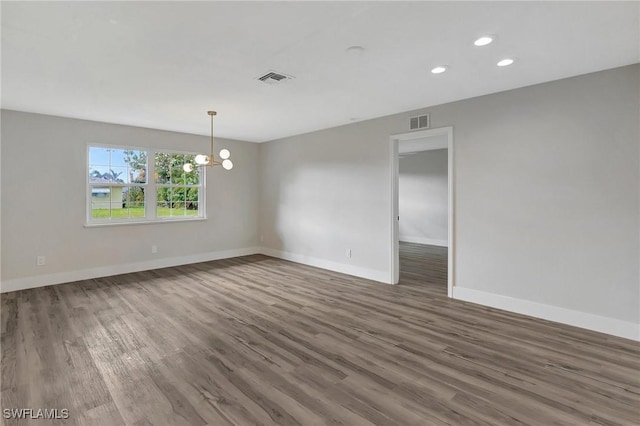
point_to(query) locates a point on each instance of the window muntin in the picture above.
(120, 191)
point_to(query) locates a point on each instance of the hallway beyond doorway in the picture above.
(424, 265)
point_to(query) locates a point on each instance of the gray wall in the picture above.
(44, 195)
(325, 192)
(423, 197)
(547, 192)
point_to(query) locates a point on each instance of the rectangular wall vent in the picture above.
(273, 77)
(419, 122)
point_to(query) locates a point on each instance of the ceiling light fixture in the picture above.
(355, 50)
(505, 62)
(484, 40)
(439, 69)
(209, 160)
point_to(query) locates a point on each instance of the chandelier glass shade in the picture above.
(210, 159)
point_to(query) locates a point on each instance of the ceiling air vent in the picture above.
(419, 122)
(273, 77)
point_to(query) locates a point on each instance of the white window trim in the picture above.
(150, 187)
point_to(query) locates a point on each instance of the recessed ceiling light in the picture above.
(355, 50)
(505, 62)
(439, 69)
(483, 41)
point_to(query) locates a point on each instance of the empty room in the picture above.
(306, 213)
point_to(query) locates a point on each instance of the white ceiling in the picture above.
(164, 64)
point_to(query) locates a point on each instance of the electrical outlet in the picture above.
(261, 238)
(154, 249)
(348, 253)
(41, 260)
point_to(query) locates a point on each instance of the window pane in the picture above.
(177, 212)
(96, 174)
(193, 177)
(179, 197)
(99, 156)
(165, 210)
(133, 197)
(165, 202)
(135, 209)
(164, 197)
(116, 175)
(192, 209)
(137, 175)
(163, 168)
(192, 194)
(177, 171)
(177, 201)
(117, 202)
(170, 169)
(136, 162)
(105, 199)
(117, 165)
(118, 157)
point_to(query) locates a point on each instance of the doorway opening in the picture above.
(425, 227)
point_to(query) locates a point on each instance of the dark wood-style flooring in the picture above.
(258, 341)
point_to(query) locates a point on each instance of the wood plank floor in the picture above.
(258, 341)
(424, 266)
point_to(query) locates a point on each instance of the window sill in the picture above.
(142, 222)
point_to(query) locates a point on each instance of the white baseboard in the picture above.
(593, 322)
(105, 271)
(371, 274)
(423, 240)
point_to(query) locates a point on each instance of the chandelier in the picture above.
(209, 160)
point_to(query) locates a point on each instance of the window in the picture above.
(177, 192)
(136, 185)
